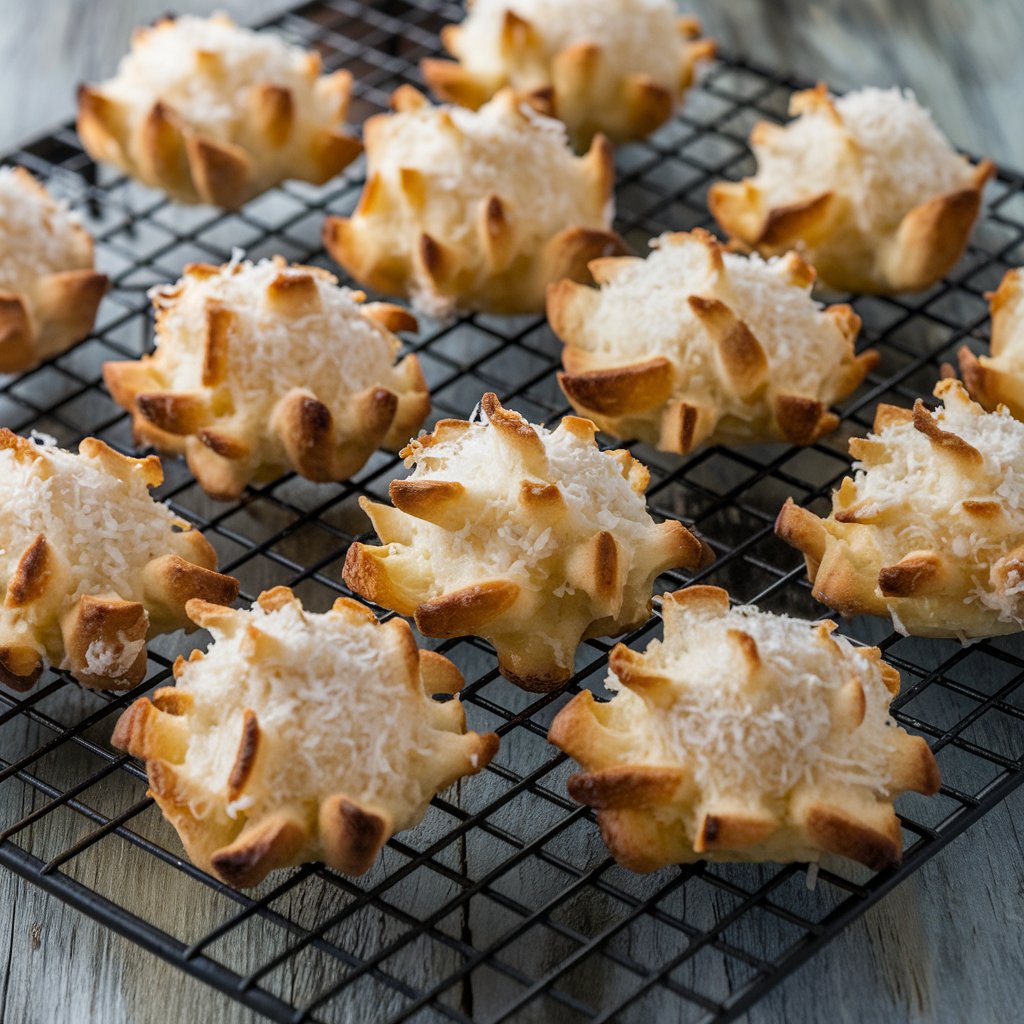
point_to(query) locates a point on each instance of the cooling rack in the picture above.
(503, 904)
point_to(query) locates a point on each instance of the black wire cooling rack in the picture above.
(503, 904)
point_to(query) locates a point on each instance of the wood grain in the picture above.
(947, 946)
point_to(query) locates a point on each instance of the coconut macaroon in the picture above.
(615, 67)
(930, 528)
(213, 113)
(694, 346)
(744, 736)
(530, 538)
(866, 186)
(92, 566)
(300, 737)
(49, 291)
(998, 379)
(474, 209)
(265, 367)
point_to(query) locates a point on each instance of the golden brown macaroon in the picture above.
(696, 346)
(744, 736)
(998, 379)
(865, 186)
(265, 367)
(92, 566)
(930, 527)
(474, 209)
(49, 291)
(300, 737)
(530, 538)
(613, 66)
(213, 113)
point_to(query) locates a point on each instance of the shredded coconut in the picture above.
(333, 703)
(105, 528)
(501, 541)
(103, 658)
(741, 739)
(644, 312)
(334, 348)
(519, 155)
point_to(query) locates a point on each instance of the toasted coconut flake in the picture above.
(533, 539)
(743, 736)
(300, 737)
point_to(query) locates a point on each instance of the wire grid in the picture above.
(503, 904)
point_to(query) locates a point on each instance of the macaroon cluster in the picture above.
(696, 346)
(532, 538)
(300, 737)
(744, 736)
(474, 209)
(214, 113)
(91, 565)
(265, 367)
(930, 527)
(866, 186)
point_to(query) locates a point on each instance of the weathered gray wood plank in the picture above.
(945, 947)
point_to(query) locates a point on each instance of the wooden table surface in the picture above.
(949, 944)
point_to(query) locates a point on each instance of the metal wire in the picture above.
(503, 904)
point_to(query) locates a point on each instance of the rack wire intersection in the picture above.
(503, 904)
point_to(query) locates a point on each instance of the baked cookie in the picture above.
(998, 379)
(300, 737)
(91, 564)
(265, 367)
(695, 346)
(530, 538)
(744, 736)
(615, 67)
(213, 113)
(474, 209)
(866, 186)
(49, 291)
(930, 528)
